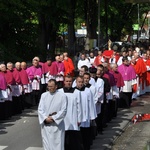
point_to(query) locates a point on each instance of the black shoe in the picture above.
(105, 125)
(100, 132)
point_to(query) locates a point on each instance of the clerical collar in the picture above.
(88, 85)
(96, 78)
(36, 66)
(4, 71)
(68, 90)
(116, 71)
(81, 89)
(53, 93)
(11, 70)
(82, 59)
(18, 69)
(126, 65)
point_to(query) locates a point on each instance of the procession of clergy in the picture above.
(82, 105)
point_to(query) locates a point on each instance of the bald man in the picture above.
(23, 65)
(27, 87)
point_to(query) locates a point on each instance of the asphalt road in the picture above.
(22, 132)
(136, 136)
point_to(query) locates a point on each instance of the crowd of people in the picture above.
(72, 108)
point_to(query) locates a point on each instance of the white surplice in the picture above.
(48, 77)
(99, 98)
(114, 92)
(94, 95)
(74, 112)
(36, 83)
(128, 85)
(3, 95)
(88, 108)
(85, 62)
(119, 62)
(52, 134)
(16, 90)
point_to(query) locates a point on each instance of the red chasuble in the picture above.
(140, 69)
(107, 54)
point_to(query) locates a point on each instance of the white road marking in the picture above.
(34, 148)
(29, 148)
(3, 147)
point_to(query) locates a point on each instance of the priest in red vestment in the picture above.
(99, 59)
(140, 69)
(69, 66)
(146, 60)
(107, 54)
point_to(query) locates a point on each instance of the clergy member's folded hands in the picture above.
(49, 120)
(79, 123)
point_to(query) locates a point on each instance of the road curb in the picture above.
(114, 130)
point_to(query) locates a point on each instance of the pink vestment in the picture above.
(35, 74)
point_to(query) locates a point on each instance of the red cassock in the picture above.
(148, 73)
(97, 60)
(117, 56)
(9, 77)
(50, 68)
(69, 67)
(16, 76)
(140, 69)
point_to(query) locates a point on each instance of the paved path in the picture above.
(115, 128)
(23, 132)
(136, 136)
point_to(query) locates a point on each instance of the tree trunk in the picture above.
(71, 29)
(91, 14)
(47, 35)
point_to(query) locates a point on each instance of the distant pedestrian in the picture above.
(83, 61)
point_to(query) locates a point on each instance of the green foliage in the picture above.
(22, 23)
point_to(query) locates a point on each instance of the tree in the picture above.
(71, 27)
(17, 33)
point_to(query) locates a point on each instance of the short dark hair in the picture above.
(79, 77)
(124, 59)
(85, 68)
(53, 80)
(92, 70)
(88, 74)
(101, 66)
(68, 76)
